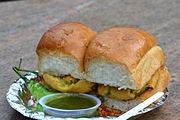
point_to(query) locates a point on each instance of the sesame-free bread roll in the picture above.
(123, 57)
(62, 48)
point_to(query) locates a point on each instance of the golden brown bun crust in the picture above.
(124, 45)
(163, 77)
(71, 38)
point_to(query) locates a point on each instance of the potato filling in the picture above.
(127, 94)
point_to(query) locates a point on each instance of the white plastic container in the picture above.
(87, 112)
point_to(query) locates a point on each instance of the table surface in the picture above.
(22, 24)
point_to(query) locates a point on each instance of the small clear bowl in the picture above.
(87, 112)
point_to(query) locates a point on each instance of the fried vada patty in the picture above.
(68, 84)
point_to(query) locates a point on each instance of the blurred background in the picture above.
(22, 23)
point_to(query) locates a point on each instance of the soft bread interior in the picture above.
(59, 65)
(99, 70)
(102, 71)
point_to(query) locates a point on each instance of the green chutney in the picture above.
(70, 102)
